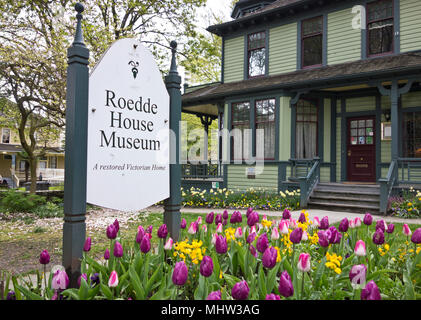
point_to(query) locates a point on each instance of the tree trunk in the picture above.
(33, 167)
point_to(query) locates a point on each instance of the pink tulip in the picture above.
(360, 249)
(238, 233)
(113, 280)
(406, 231)
(316, 221)
(275, 234)
(357, 222)
(283, 227)
(60, 280)
(304, 237)
(193, 227)
(199, 220)
(214, 237)
(168, 244)
(304, 262)
(205, 228)
(351, 224)
(219, 228)
(253, 230)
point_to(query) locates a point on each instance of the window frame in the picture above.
(257, 122)
(259, 48)
(379, 20)
(232, 155)
(316, 103)
(321, 33)
(10, 135)
(405, 135)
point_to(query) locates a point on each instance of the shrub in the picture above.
(16, 201)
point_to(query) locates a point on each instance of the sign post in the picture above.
(74, 227)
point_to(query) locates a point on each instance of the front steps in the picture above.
(346, 197)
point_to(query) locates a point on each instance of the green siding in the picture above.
(284, 129)
(234, 59)
(338, 149)
(267, 179)
(326, 131)
(410, 26)
(283, 49)
(324, 174)
(343, 42)
(361, 104)
(386, 151)
(411, 99)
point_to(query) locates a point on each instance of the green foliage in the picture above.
(15, 201)
(407, 205)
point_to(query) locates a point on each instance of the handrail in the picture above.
(309, 182)
(387, 184)
(211, 169)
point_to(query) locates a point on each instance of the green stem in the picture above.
(302, 286)
(45, 281)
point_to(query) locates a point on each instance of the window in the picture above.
(53, 162)
(362, 132)
(265, 119)
(256, 49)
(312, 42)
(5, 135)
(380, 27)
(306, 129)
(412, 134)
(241, 122)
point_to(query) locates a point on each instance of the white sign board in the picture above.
(128, 130)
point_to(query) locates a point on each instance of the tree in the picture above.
(34, 37)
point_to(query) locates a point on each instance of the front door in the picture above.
(361, 149)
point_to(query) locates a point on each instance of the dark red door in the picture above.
(361, 149)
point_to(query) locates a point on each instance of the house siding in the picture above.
(283, 49)
(284, 129)
(410, 27)
(234, 59)
(361, 104)
(267, 179)
(343, 42)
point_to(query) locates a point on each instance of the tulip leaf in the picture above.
(271, 278)
(156, 275)
(71, 293)
(137, 285)
(200, 292)
(15, 285)
(262, 284)
(29, 294)
(377, 273)
(93, 292)
(96, 265)
(83, 289)
(106, 291)
(409, 287)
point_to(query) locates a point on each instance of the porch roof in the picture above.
(360, 71)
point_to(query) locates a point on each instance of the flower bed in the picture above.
(258, 198)
(247, 257)
(408, 205)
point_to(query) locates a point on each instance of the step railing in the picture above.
(209, 170)
(387, 184)
(409, 170)
(309, 182)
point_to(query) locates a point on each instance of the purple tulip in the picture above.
(378, 237)
(269, 257)
(11, 295)
(370, 292)
(221, 245)
(302, 218)
(251, 237)
(380, 225)
(286, 289)
(262, 243)
(44, 257)
(140, 234)
(145, 244)
(296, 235)
(118, 250)
(324, 223)
(416, 236)
(240, 291)
(162, 231)
(368, 219)
(209, 218)
(107, 254)
(87, 245)
(333, 235)
(390, 228)
(286, 214)
(253, 251)
(252, 219)
(116, 225)
(272, 296)
(111, 232)
(206, 266)
(236, 217)
(249, 210)
(214, 295)
(180, 274)
(225, 215)
(84, 276)
(323, 240)
(344, 225)
(95, 279)
(218, 219)
(183, 223)
(357, 274)
(149, 229)
(224, 222)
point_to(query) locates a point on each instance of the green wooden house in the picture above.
(335, 84)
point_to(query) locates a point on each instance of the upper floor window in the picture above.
(256, 49)
(312, 42)
(5, 135)
(380, 27)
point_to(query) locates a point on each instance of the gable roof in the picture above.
(328, 76)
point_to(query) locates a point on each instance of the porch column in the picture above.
(394, 116)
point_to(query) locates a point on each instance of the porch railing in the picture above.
(301, 168)
(387, 184)
(309, 182)
(409, 170)
(202, 170)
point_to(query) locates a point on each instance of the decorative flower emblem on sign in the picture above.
(134, 65)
